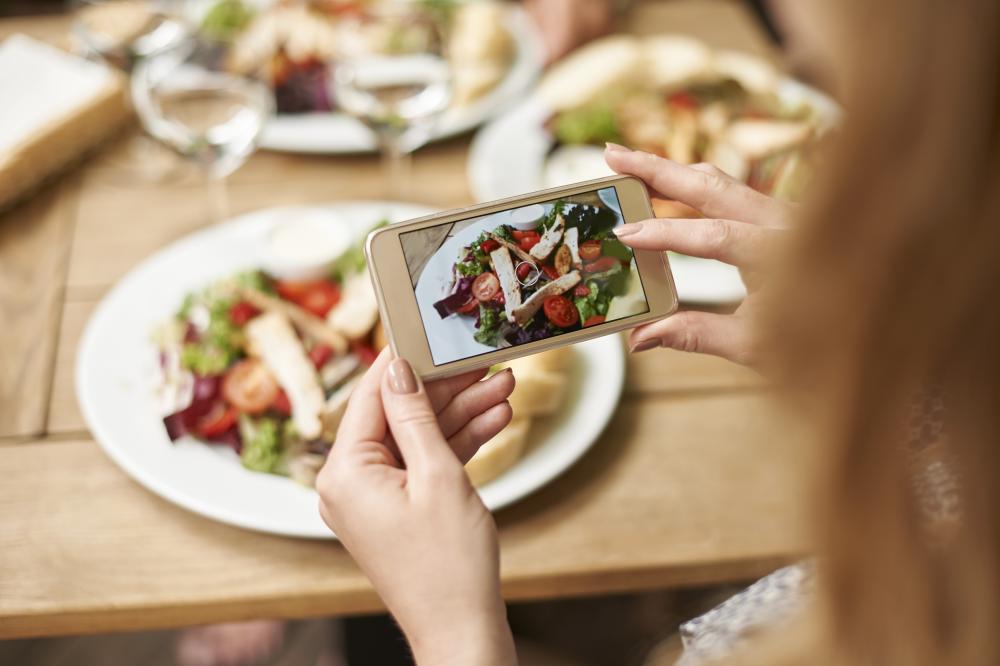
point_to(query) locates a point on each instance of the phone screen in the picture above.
(522, 274)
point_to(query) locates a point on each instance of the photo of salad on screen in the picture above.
(522, 275)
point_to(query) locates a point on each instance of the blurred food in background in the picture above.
(673, 96)
(294, 44)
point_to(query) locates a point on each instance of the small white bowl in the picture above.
(526, 218)
(303, 244)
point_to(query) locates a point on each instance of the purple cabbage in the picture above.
(458, 297)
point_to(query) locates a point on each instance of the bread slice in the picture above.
(592, 71)
(497, 455)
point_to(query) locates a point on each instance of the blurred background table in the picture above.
(692, 483)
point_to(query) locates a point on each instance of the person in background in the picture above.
(871, 308)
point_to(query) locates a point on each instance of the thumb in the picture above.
(412, 420)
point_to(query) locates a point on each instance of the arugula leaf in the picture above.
(489, 326)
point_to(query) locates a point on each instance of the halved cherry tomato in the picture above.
(590, 250)
(489, 245)
(485, 287)
(561, 311)
(550, 272)
(523, 270)
(241, 312)
(518, 234)
(281, 403)
(218, 420)
(528, 240)
(600, 265)
(320, 354)
(318, 296)
(470, 306)
(594, 320)
(365, 353)
(581, 290)
(500, 298)
(249, 386)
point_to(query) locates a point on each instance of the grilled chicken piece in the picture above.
(504, 269)
(356, 313)
(572, 241)
(527, 310)
(307, 322)
(272, 335)
(563, 260)
(514, 248)
(550, 239)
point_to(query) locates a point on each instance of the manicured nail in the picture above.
(628, 229)
(401, 379)
(644, 345)
(615, 147)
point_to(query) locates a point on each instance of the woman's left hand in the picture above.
(395, 491)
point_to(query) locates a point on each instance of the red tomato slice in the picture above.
(528, 240)
(550, 272)
(485, 287)
(489, 245)
(561, 311)
(241, 312)
(581, 290)
(320, 354)
(600, 265)
(365, 353)
(218, 420)
(281, 403)
(318, 296)
(594, 321)
(590, 250)
(472, 305)
(249, 386)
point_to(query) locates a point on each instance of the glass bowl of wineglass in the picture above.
(188, 101)
(392, 73)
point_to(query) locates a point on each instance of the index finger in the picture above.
(712, 194)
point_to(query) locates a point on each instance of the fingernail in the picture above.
(401, 379)
(628, 229)
(615, 147)
(644, 345)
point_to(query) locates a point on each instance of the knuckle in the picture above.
(718, 234)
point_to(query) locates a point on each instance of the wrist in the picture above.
(479, 639)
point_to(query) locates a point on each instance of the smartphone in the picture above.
(468, 288)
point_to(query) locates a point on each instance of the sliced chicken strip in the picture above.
(572, 240)
(527, 310)
(550, 239)
(514, 248)
(356, 313)
(504, 268)
(306, 321)
(273, 337)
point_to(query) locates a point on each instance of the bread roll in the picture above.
(591, 71)
(674, 61)
(497, 455)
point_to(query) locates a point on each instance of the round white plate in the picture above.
(509, 157)
(332, 133)
(115, 370)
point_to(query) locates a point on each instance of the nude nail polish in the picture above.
(401, 378)
(628, 229)
(644, 345)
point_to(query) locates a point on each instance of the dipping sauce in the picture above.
(303, 245)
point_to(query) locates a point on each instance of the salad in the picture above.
(265, 366)
(521, 285)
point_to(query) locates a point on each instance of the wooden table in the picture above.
(692, 483)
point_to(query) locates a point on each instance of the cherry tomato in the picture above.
(561, 311)
(600, 265)
(581, 290)
(500, 298)
(518, 234)
(523, 270)
(594, 320)
(318, 296)
(320, 354)
(528, 240)
(217, 421)
(550, 272)
(365, 353)
(281, 403)
(249, 386)
(590, 250)
(485, 287)
(489, 245)
(241, 312)
(472, 305)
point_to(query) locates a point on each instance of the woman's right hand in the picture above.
(741, 227)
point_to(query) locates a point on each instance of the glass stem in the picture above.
(396, 162)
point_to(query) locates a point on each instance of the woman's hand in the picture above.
(741, 227)
(395, 492)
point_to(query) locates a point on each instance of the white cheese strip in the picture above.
(273, 337)
(504, 268)
(527, 310)
(550, 239)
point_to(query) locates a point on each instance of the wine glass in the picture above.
(393, 74)
(187, 100)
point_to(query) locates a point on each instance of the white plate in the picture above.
(508, 157)
(332, 133)
(116, 362)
